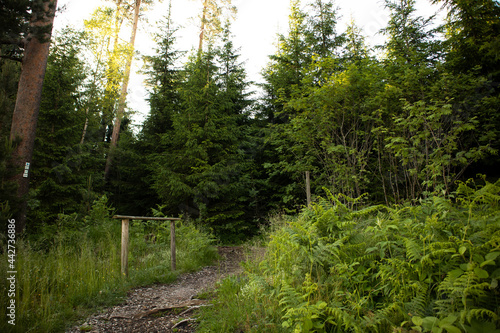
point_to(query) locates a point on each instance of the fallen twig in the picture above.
(193, 302)
(183, 322)
(191, 308)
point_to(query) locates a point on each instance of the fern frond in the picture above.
(368, 211)
(481, 314)
(413, 252)
(343, 319)
(420, 302)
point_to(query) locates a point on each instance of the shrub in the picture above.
(431, 267)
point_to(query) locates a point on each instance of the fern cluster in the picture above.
(432, 267)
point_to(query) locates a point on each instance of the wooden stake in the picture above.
(124, 254)
(308, 188)
(172, 245)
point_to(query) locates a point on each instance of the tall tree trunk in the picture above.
(29, 95)
(202, 28)
(85, 126)
(123, 94)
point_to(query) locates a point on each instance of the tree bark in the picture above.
(202, 28)
(29, 95)
(123, 94)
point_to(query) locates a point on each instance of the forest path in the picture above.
(162, 307)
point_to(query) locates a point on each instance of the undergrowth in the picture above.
(432, 267)
(73, 268)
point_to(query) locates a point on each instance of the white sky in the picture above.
(255, 30)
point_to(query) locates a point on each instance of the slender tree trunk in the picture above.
(202, 29)
(29, 95)
(85, 126)
(123, 94)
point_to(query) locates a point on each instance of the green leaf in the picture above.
(492, 255)
(487, 262)
(308, 324)
(462, 250)
(321, 305)
(451, 328)
(496, 273)
(319, 325)
(448, 320)
(429, 322)
(467, 267)
(456, 273)
(481, 273)
(436, 329)
(417, 320)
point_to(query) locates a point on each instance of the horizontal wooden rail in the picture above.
(125, 237)
(123, 217)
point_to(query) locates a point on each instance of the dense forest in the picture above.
(392, 125)
(400, 126)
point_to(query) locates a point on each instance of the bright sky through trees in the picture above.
(255, 30)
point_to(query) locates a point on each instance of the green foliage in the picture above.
(402, 126)
(201, 167)
(430, 268)
(73, 268)
(9, 75)
(312, 42)
(64, 177)
(14, 17)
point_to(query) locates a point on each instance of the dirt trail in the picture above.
(145, 309)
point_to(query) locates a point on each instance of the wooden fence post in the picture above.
(125, 238)
(172, 246)
(308, 188)
(124, 254)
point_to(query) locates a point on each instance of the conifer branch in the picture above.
(11, 58)
(13, 41)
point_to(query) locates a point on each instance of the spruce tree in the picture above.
(57, 175)
(312, 39)
(138, 168)
(473, 50)
(199, 170)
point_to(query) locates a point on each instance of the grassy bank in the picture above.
(341, 266)
(73, 268)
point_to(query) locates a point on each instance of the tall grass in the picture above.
(69, 271)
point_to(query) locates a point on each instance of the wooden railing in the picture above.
(125, 237)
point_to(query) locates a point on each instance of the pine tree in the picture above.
(473, 49)
(9, 77)
(60, 165)
(199, 172)
(312, 39)
(332, 127)
(322, 38)
(14, 26)
(473, 31)
(25, 117)
(137, 157)
(163, 81)
(284, 71)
